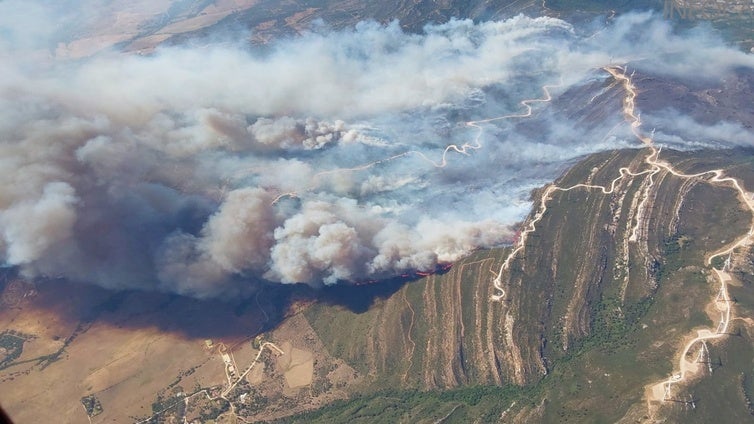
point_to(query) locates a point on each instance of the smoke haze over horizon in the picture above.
(198, 170)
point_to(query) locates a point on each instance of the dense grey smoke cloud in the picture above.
(322, 160)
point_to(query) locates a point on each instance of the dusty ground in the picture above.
(297, 365)
(83, 348)
(142, 24)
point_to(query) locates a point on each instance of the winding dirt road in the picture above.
(660, 391)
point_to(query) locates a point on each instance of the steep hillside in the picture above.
(618, 300)
(597, 305)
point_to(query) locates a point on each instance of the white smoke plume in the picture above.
(287, 132)
(321, 160)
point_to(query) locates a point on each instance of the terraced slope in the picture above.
(439, 332)
(588, 319)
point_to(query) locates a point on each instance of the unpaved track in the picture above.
(715, 177)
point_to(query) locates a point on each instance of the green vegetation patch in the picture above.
(11, 347)
(468, 404)
(92, 405)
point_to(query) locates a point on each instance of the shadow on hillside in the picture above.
(261, 310)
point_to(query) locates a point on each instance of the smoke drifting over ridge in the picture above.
(198, 170)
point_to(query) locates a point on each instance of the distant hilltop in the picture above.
(707, 9)
(734, 17)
